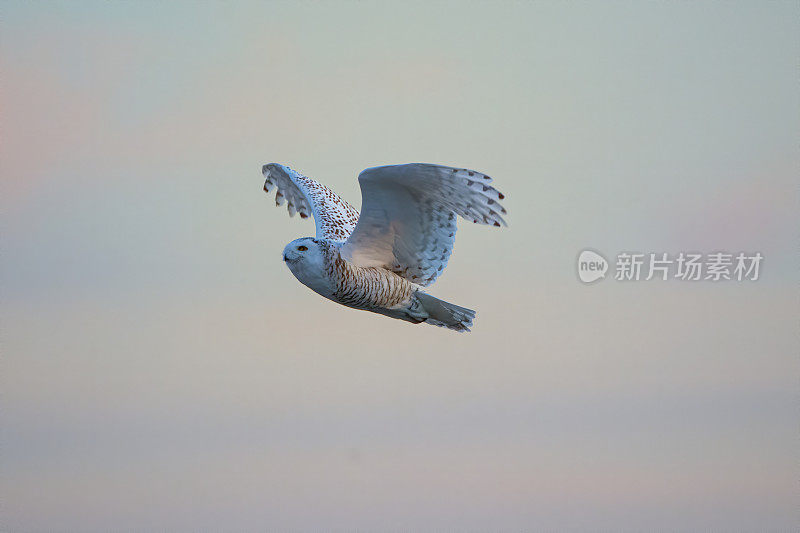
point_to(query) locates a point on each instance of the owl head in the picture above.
(305, 257)
(306, 250)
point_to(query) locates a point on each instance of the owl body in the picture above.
(321, 268)
(380, 259)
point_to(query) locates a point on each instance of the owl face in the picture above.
(303, 251)
(306, 259)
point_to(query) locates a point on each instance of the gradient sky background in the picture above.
(162, 369)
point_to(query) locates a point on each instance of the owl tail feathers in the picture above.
(444, 314)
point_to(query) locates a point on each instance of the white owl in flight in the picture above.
(401, 242)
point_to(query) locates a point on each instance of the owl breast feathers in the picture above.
(399, 243)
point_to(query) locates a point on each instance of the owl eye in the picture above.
(302, 248)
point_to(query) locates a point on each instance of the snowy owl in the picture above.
(401, 242)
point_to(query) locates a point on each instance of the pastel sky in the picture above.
(163, 370)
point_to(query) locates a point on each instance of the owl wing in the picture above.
(335, 219)
(408, 217)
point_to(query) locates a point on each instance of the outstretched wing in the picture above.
(408, 217)
(335, 218)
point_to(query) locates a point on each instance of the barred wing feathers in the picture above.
(408, 217)
(335, 219)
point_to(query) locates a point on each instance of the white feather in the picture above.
(408, 217)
